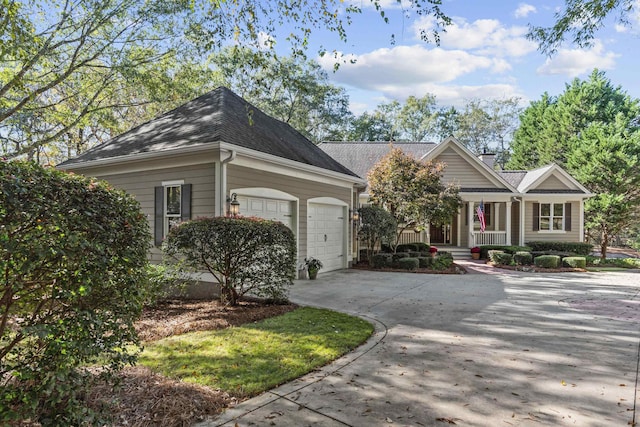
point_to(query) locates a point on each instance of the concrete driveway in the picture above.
(475, 350)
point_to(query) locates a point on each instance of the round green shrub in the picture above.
(547, 261)
(381, 260)
(442, 262)
(414, 254)
(425, 261)
(245, 255)
(410, 264)
(73, 256)
(575, 262)
(502, 258)
(421, 247)
(492, 253)
(406, 247)
(523, 258)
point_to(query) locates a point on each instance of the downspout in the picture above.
(222, 198)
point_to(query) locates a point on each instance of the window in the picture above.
(487, 215)
(173, 207)
(551, 216)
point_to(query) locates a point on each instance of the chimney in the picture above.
(488, 159)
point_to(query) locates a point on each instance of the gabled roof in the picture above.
(360, 156)
(217, 116)
(513, 177)
(535, 177)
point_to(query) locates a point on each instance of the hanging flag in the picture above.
(480, 212)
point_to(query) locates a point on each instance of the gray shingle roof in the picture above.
(361, 156)
(217, 116)
(513, 177)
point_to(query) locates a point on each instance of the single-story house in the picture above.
(519, 206)
(195, 160)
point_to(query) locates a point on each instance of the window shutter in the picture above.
(466, 214)
(158, 215)
(487, 214)
(185, 195)
(536, 216)
(567, 217)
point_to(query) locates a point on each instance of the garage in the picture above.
(325, 234)
(261, 207)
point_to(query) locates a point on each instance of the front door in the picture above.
(440, 233)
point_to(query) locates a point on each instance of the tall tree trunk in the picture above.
(604, 242)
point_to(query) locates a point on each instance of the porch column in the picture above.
(581, 217)
(507, 223)
(496, 217)
(471, 241)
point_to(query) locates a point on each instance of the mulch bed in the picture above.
(534, 269)
(145, 398)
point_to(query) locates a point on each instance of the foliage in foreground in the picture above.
(243, 254)
(247, 360)
(73, 254)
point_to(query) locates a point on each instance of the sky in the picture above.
(484, 55)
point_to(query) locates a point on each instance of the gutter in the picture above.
(221, 197)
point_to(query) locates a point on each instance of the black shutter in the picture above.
(567, 217)
(466, 214)
(487, 214)
(158, 216)
(536, 216)
(185, 202)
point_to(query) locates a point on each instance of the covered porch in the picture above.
(503, 217)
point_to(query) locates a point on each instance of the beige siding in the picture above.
(569, 236)
(141, 185)
(459, 171)
(242, 177)
(553, 183)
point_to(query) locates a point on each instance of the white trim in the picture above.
(265, 193)
(507, 221)
(581, 220)
(564, 177)
(327, 201)
(173, 183)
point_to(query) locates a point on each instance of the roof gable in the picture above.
(550, 179)
(217, 116)
(466, 169)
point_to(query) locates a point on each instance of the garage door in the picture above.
(278, 210)
(325, 235)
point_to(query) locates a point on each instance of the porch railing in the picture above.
(489, 238)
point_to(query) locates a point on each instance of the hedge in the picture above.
(573, 247)
(426, 261)
(492, 253)
(413, 247)
(574, 261)
(381, 260)
(484, 249)
(547, 261)
(410, 264)
(502, 258)
(523, 258)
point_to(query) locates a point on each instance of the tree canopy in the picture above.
(412, 191)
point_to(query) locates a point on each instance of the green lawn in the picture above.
(250, 359)
(606, 268)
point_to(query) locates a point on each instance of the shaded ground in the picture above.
(148, 399)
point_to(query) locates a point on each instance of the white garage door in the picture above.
(278, 210)
(325, 235)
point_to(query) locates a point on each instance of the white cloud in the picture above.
(486, 36)
(407, 65)
(524, 10)
(573, 62)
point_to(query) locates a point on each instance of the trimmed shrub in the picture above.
(425, 261)
(442, 262)
(397, 256)
(523, 258)
(484, 250)
(377, 227)
(381, 260)
(407, 247)
(408, 263)
(415, 254)
(492, 253)
(573, 247)
(421, 247)
(503, 258)
(574, 261)
(547, 261)
(73, 256)
(243, 254)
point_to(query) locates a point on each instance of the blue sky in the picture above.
(484, 54)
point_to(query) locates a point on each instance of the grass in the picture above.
(247, 360)
(605, 268)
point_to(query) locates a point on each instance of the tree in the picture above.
(553, 126)
(607, 161)
(297, 92)
(370, 127)
(580, 20)
(447, 122)
(377, 226)
(73, 257)
(417, 118)
(243, 254)
(47, 45)
(412, 191)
